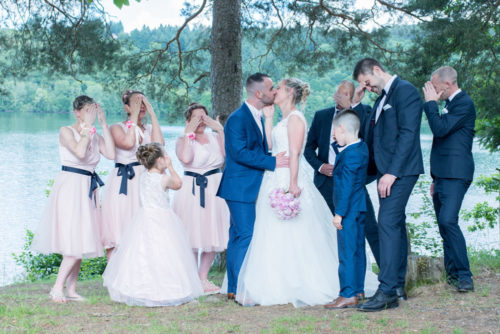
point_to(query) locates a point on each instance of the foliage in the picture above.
(37, 266)
(463, 34)
(284, 38)
(40, 266)
(483, 215)
(424, 222)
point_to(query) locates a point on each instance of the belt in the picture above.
(95, 180)
(202, 181)
(126, 172)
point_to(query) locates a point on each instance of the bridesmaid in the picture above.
(121, 198)
(70, 222)
(205, 215)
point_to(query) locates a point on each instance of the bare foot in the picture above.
(57, 296)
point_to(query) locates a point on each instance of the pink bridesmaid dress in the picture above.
(119, 203)
(207, 227)
(70, 221)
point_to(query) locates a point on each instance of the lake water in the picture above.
(30, 158)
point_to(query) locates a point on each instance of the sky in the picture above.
(153, 13)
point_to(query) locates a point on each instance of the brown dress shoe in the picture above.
(342, 302)
(231, 296)
(361, 296)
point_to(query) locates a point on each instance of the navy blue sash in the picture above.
(94, 178)
(202, 181)
(126, 172)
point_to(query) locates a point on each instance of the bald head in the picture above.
(343, 95)
(446, 73)
(444, 80)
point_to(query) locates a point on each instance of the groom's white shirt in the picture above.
(256, 116)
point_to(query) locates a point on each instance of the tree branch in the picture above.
(407, 12)
(175, 39)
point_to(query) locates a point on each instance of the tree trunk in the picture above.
(225, 68)
(225, 48)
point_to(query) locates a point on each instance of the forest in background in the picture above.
(41, 90)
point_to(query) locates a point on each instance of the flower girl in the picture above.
(154, 265)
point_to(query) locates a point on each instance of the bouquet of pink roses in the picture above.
(284, 204)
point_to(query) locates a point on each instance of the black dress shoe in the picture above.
(401, 293)
(465, 286)
(380, 301)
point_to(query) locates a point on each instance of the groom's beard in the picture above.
(267, 101)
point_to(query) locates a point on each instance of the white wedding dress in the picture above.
(292, 261)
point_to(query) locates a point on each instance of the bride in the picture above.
(291, 261)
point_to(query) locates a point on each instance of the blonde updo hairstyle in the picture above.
(301, 90)
(148, 154)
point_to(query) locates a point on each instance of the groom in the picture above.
(247, 157)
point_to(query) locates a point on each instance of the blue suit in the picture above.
(247, 157)
(452, 170)
(318, 139)
(349, 197)
(394, 144)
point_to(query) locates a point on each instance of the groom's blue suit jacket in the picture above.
(247, 157)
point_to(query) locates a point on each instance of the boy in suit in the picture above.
(349, 197)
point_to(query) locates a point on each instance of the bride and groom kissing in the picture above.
(272, 261)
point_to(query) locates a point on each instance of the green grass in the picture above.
(480, 259)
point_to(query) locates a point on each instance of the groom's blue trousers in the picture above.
(240, 235)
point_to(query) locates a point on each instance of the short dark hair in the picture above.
(365, 66)
(81, 101)
(256, 77)
(193, 106)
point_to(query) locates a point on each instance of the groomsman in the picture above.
(321, 156)
(392, 133)
(452, 167)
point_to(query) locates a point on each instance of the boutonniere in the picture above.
(387, 106)
(444, 111)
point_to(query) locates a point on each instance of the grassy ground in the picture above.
(430, 309)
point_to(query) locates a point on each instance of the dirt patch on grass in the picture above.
(430, 309)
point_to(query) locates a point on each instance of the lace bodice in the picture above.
(151, 193)
(280, 134)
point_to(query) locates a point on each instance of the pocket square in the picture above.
(444, 111)
(387, 106)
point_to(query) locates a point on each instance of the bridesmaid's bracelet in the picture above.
(190, 135)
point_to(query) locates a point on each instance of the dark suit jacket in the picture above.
(451, 154)
(246, 157)
(349, 178)
(318, 138)
(395, 138)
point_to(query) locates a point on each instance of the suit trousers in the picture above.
(352, 257)
(371, 228)
(448, 197)
(240, 235)
(392, 235)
